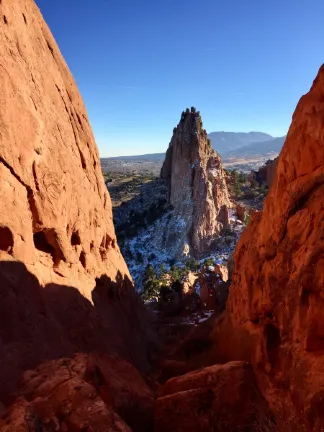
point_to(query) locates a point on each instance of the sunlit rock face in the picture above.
(64, 285)
(275, 315)
(197, 188)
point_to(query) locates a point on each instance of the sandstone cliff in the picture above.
(196, 180)
(58, 250)
(275, 309)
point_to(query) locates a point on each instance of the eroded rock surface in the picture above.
(86, 392)
(219, 397)
(198, 191)
(64, 285)
(57, 218)
(275, 309)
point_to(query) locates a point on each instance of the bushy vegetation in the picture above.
(247, 219)
(239, 180)
(193, 265)
(156, 282)
(151, 284)
(209, 262)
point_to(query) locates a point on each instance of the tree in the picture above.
(176, 273)
(209, 262)
(254, 184)
(162, 270)
(151, 285)
(193, 264)
(242, 178)
(236, 183)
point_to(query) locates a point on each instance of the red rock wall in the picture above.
(58, 249)
(275, 314)
(267, 172)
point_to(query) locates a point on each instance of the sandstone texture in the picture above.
(57, 218)
(64, 285)
(86, 392)
(219, 397)
(275, 309)
(196, 182)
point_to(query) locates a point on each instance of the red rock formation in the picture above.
(100, 393)
(220, 397)
(197, 187)
(58, 217)
(275, 313)
(268, 171)
(58, 250)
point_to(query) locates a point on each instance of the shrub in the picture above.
(176, 273)
(193, 110)
(162, 270)
(209, 262)
(151, 285)
(209, 142)
(247, 219)
(193, 264)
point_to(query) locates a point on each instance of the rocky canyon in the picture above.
(79, 349)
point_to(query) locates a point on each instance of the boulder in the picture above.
(219, 397)
(222, 270)
(241, 212)
(87, 392)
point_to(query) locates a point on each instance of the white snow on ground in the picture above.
(197, 317)
(145, 248)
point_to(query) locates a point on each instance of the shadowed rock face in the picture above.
(64, 285)
(219, 397)
(275, 310)
(197, 189)
(86, 392)
(57, 218)
(267, 172)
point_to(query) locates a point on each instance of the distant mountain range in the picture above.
(224, 142)
(227, 144)
(262, 148)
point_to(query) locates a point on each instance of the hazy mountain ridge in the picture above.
(258, 148)
(224, 142)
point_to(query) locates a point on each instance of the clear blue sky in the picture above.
(138, 63)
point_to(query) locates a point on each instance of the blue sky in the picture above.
(138, 64)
